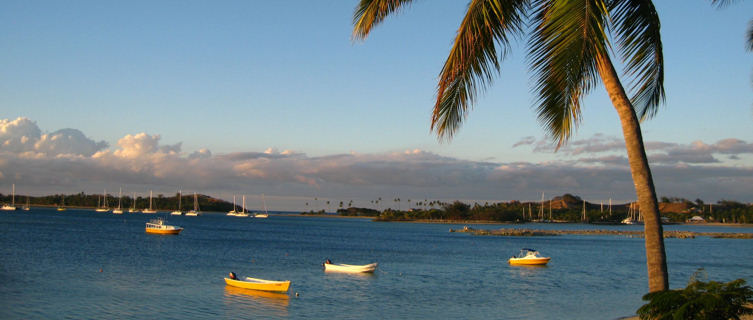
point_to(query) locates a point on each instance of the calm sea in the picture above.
(86, 265)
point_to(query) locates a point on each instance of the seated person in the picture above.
(232, 276)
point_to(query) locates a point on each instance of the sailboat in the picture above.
(243, 213)
(150, 210)
(195, 211)
(12, 206)
(178, 212)
(27, 207)
(119, 209)
(104, 207)
(265, 214)
(233, 212)
(133, 209)
(61, 207)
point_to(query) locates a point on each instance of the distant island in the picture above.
(159, 202)
(565, 208)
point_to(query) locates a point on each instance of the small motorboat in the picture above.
(259, 284)
(158, 226)
(349, 268)
(529, 257)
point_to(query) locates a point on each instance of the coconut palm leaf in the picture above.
(473, 60)
(369, 13)
(750, 37)
(563, 50)
(636, 25)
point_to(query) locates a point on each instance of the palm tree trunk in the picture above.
(656, 260)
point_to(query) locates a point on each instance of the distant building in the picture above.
(696, 219)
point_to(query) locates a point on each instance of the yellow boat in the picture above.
(259, 284)
(529, 257)
(158, 226)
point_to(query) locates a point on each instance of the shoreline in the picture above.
(434, 221)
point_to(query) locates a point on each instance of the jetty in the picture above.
(514, 232)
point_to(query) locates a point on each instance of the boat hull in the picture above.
(163, 231)
(529, 261)
(347, 268)
(259, 284)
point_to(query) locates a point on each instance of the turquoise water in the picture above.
(82, 264)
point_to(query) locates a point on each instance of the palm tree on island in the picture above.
(569, 51)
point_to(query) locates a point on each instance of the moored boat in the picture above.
(195, 212)
(158, 226)
(259, 284)
(349, 268)
(149, 210)
(178, 212)
(12, 205)
(529, 257)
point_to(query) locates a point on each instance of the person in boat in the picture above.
(328, 261)
(233, 276)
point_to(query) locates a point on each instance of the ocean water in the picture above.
(85, 265)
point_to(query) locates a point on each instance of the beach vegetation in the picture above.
(700, 300)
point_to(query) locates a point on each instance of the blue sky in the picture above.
(245, 77)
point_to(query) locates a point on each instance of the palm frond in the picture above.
(563, 50)
(369, 13)
(750, 37)
(473, 60)
(637, 26)
(722, 3)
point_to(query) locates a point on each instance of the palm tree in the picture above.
(569, 48)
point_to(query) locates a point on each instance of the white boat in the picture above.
(349, 268)
(158, 226)
(12, 205)
(133, 209)
(195, 212)
(150, 210)
(27, 207)
(265, 214)
(529, 257)
(243, 213)
(104, 207)
(178, 212)
(119, 209)
(631, 218)
(233, 212)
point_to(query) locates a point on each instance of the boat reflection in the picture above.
(276, 298)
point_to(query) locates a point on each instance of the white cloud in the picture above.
(67, 160)
(23, 136)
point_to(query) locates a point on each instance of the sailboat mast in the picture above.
(13, 197)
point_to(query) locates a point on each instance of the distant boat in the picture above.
(12, 206)
(243, 213)
(195, 212)
(104, 207)
(27, 207)
(233, 212)
(265, 214)
(158, 226)
(349, 268)
(150, 210)
(529, 257)
(178, 212)
(259, 284)
(119, 209)
(631, 219)
(133, 209)
(61, 207)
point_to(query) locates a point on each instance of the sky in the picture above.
(275, 98)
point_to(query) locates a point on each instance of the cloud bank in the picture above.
(595, 168)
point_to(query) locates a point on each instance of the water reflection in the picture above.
(264, 301)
